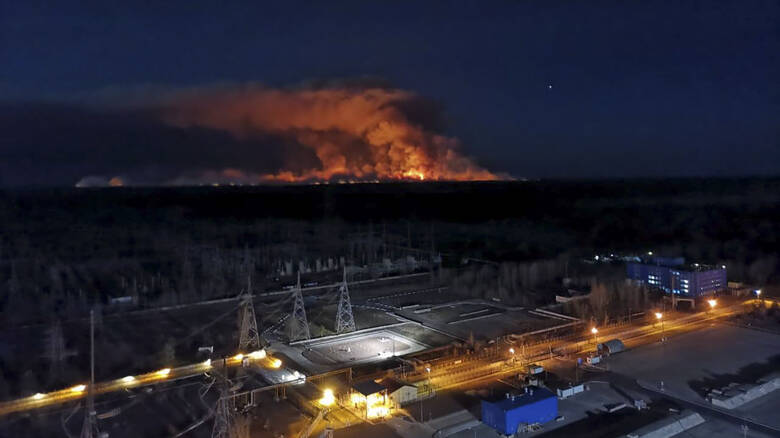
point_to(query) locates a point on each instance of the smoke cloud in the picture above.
(231, 134)
(354, 132)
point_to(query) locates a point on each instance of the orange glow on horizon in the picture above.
(356, 134)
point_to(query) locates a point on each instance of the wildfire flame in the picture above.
(356, 134)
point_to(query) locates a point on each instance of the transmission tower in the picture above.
(228, 422)
(345, 321)
(221, 419)
(299, 328)
(249, 336)
(90, 429)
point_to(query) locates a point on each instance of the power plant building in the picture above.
(513, 413)
(674, 276)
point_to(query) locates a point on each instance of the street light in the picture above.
(328, 398)
(595, 332)
(712, 303)
(659, 316)
(78, 388)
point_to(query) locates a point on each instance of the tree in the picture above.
(168, 353)
(599, 299)
(4, 391)
(29, 384)
(762, 269)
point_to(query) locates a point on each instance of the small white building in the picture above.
(399, 392)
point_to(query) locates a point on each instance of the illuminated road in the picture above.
(443, 374)
(163, 375)
(468, 370)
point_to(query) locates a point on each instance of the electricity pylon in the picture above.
(299, 325)
(345, 321)
(249, 336)
(90, 429)
(222, 417)
(228, 422)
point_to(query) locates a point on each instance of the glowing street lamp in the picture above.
(712, 303)
(327, 397)
(595, 332)
(38, 396)
(259, 354)
(659, 316)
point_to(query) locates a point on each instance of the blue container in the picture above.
(536, 405)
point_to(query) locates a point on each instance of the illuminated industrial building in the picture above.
(674, 276)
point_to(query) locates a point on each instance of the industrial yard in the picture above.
(453, 389)
(402, 336)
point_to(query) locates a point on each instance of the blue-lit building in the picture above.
(674, 276)
(508, 414)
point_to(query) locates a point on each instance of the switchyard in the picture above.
(426, 347)
(359, 348)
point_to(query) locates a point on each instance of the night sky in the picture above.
(538, 89)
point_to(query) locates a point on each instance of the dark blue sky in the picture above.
(650, 88)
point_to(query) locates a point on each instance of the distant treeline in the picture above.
(62, 250)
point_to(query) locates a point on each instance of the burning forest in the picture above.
(353, 133)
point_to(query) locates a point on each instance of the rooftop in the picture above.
(392, 385)
(679, 263)
(368, 387)
(533, 395)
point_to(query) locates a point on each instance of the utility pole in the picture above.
(299, 328)
(345, 321)
(90, 429)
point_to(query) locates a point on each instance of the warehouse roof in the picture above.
(368, 387)
(393, 385)
(532, 395)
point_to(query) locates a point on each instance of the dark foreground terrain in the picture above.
(64, 251)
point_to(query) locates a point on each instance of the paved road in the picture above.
(452, 373)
